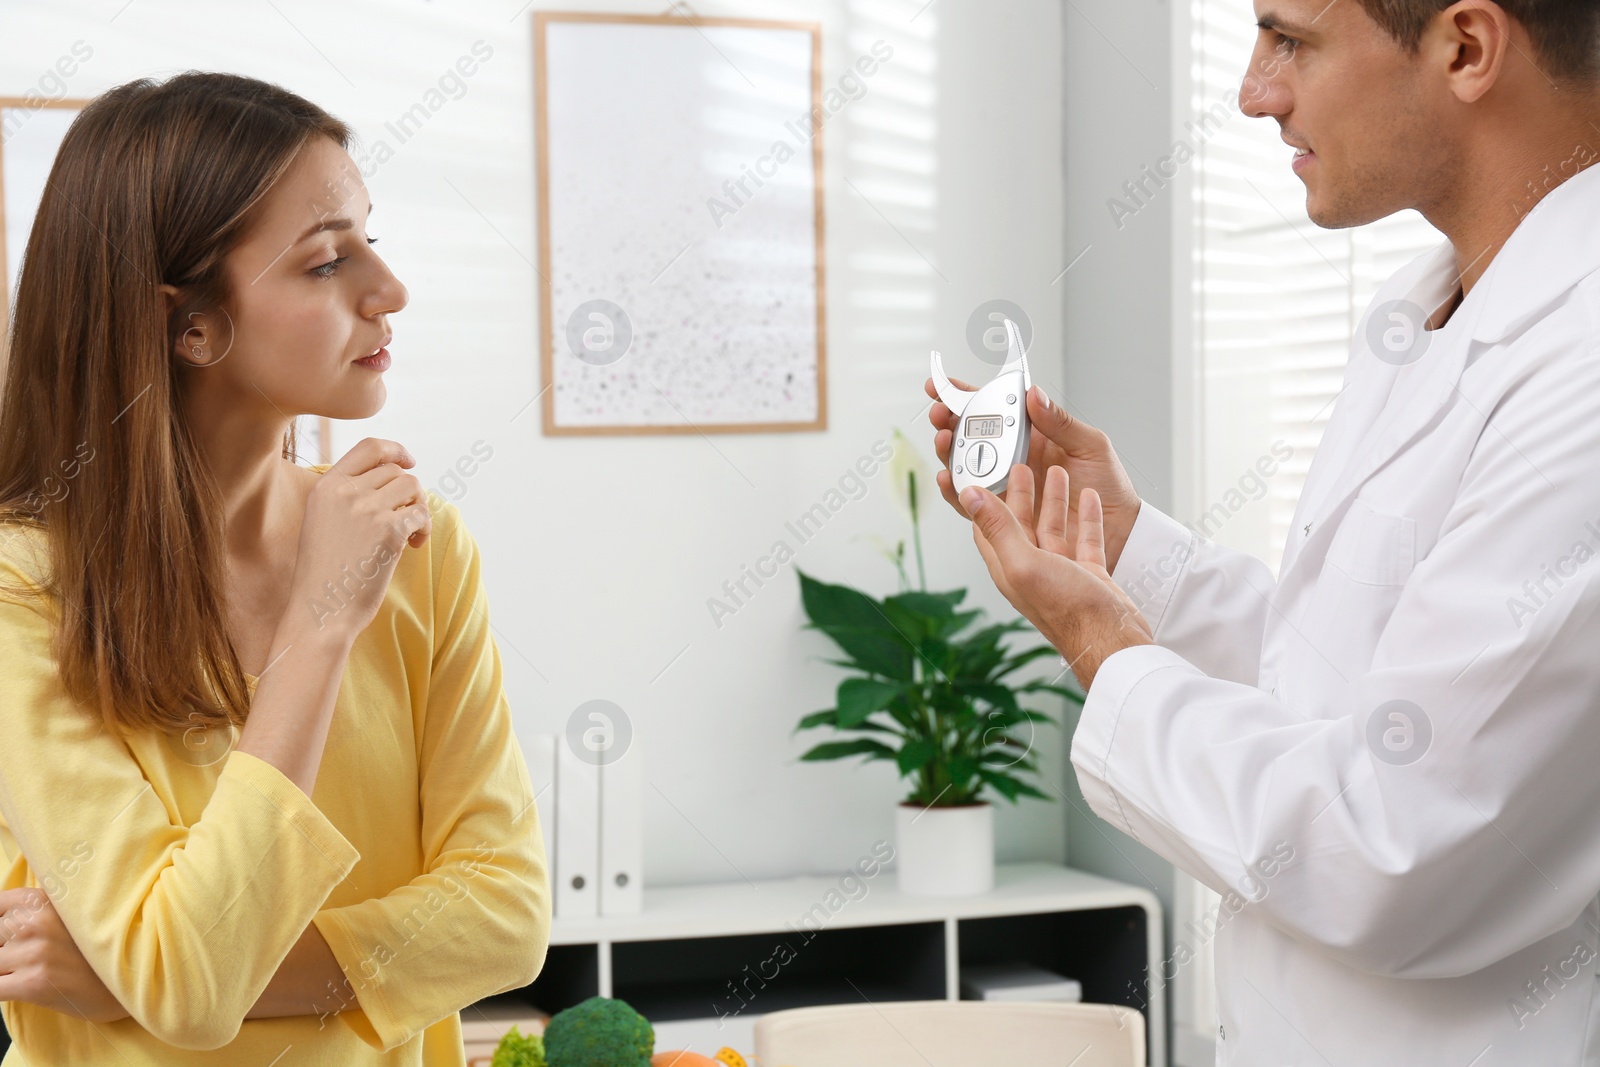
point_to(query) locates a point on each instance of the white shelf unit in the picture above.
(678, 961)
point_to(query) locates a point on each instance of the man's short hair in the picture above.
(1566, 33)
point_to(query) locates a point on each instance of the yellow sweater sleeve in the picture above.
(478, 921)
(185, 925)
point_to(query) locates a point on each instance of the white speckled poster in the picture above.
(680, 224)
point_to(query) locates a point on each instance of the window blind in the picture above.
(1277, 298)
(1273, 303)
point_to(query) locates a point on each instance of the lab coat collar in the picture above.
(1551, 250)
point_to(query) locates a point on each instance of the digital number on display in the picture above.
(980, 426)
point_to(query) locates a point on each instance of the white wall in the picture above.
(1121, 335)
(943, 189)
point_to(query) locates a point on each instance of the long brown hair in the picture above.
(154, 183)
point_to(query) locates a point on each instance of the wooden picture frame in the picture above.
(670, 417)
(321, 429)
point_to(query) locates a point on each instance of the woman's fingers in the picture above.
(371, 452)
(1051, 532)
(1091, 531)
(18, 907)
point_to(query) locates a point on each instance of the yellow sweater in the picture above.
(185, 872)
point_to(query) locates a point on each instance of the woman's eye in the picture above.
(328, 269)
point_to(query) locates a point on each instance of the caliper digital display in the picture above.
(983, 426)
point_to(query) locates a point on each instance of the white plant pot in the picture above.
(942, 852)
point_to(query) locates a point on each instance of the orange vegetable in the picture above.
(681, 1059)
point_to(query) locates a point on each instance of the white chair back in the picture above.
(952, 1033)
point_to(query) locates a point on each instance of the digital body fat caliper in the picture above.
(992, 431)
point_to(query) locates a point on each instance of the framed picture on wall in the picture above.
(680, 217)
(31, 131)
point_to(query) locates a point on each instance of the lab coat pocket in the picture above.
(1368, 561)
(1372, 547)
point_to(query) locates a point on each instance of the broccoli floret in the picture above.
(517, 1049)
(600, 1032)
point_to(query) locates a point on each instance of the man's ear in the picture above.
(1473, 38)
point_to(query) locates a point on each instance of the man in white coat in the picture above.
(1392, 751)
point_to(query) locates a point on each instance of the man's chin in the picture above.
(1319, 214)
(1331, 213)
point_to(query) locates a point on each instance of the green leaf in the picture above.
(860, 697)
(1002, 760)
(876, 727)
(901, 712)
(1009, 787)
(874, 651)
(938, 605)
(839, 607)
(922, 616)
(960, 621)
(916, 754)
(925, 628)
(962, 768)
(1074, 695)
(825, 717)
(996, 723)
(1003, 785)
(1025, 658)
(861, 746)
(857, 624)
(914, 628)
(937, 659)
(1029, 791)
(980, 653)
(998, 695)
(990, 636)
(945, 698)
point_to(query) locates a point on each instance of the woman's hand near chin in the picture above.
(41, 964)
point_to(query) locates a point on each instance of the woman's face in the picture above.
(310, 297)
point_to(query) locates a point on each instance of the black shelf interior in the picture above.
(571, 975)
(725, 976)
(1104, 949)
(715, 977)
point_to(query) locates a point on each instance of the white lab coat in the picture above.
(1419, 890)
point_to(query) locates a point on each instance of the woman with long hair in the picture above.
(260, 795)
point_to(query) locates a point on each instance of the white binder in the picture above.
(577, 864)
(621, 833)
(540, 753)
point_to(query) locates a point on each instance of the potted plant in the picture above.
(934, 696)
